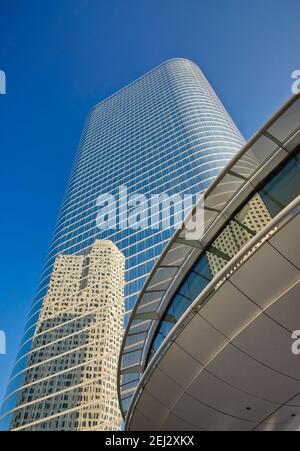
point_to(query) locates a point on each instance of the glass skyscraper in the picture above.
(167, 132)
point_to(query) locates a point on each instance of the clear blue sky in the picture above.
(63, 56)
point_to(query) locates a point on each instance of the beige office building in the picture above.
(71, 377)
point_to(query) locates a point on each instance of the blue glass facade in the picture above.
(165, 133)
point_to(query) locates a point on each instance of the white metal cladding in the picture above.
(260, 156)
(244, 375)
(166, 132)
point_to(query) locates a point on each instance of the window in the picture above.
(277, 193)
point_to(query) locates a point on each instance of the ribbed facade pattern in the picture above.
(71, 381)
(165, 133)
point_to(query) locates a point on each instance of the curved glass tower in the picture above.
(167, 132)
